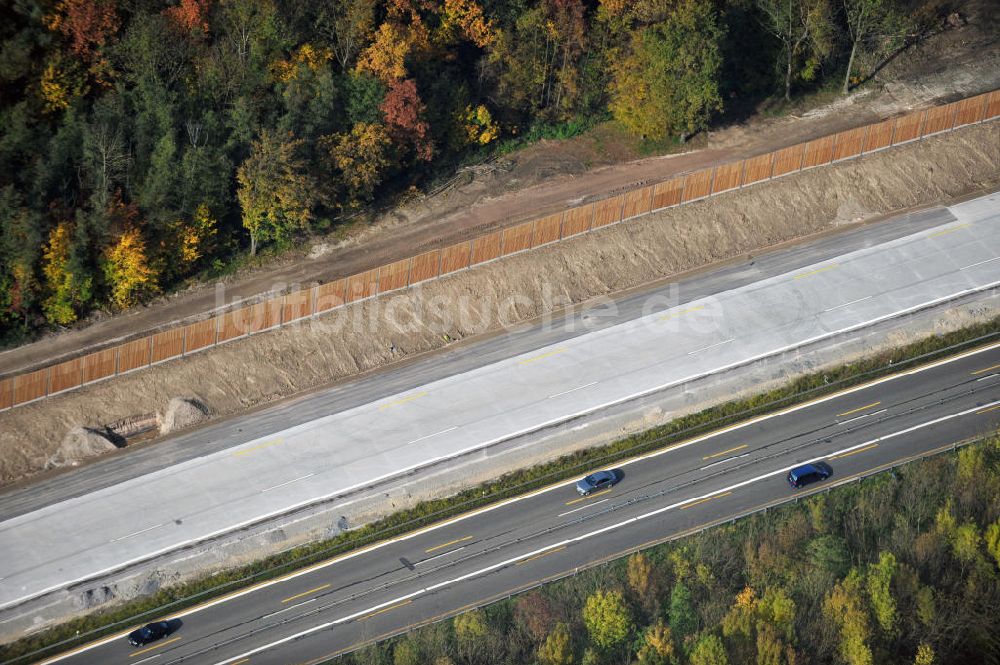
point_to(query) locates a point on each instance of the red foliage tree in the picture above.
(190, 15)
(404, 111)
(88, 24)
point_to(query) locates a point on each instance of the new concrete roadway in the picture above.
(341, 604)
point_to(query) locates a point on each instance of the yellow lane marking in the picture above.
(860, 408)
(240, 662)
(674, 315)
(306, 593)
(539, 556)
(816, 272)
(992, 408)
(259, 446)
(855, 452)
(450, 542)
(588, 497)
(384, 610)
(402, 400)
(951, 230)
(547, 488)
(528, 361)
(708, 498)
(988, 369)
(731, 450)
(156, 646)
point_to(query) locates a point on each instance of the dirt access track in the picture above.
(553, 175)
(374, 333)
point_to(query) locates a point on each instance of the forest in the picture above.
(146, 143)
(901, 568)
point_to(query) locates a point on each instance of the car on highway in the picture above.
(801, 476)
(149, 633)
(599, 480)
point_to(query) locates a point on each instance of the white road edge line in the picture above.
(973, 265)
(434, 527)
(573, 390)
(847, 304)
(711, 346)
(444, 431)
(588, 536)
(581, 508)
(135, 533)
(287, 482)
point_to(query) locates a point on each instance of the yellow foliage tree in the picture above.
(467, 16)
(557, 648)
(65, 291)
(361, 158)
(385, 57)
(479, 125)
(658, 645)
(127, 271)
(187, 241)
(306, 57)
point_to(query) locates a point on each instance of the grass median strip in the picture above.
(804, 389)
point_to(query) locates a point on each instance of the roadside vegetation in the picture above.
(903, 567)
(173, 599)
(144, 144)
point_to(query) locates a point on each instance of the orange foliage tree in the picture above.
(88, 24)
(404, 112)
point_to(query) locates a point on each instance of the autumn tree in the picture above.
(190, 15)
(607, 618)
(558, 647)
(359, 159)
(467, 18)
(669, 81)
(657, 646)
(127, 271)
(186, 242)
(88, 25)
(276, 192)
(845, 607)
(404, 117)
(68, 290)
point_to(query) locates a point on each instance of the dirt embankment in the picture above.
(373, 333)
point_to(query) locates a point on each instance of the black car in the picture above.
(801, 476)
(148, 633)
(599, 480)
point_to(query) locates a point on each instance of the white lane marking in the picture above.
(573, 390)
(973, 265)
(851, 420)
(572, 482)
(135, 533)
(444, 431)
(589, 536)
(288, 482)
(148, 658)
(304, 602)
(711, 346)
(438, 556)
(847, 304)
(728, 459)
(594, 503)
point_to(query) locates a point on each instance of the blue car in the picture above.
(149, 633)
(801, 476)
(595, 482)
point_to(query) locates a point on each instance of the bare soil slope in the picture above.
(371, 334)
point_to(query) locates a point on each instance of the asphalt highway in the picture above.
(292, 466)
(341, 604)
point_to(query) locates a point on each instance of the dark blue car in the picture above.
(595, 482)
(148, 633)
(801, 476)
